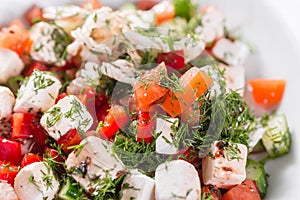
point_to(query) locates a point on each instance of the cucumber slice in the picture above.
(184, 8)
(255, 171)
(276, 138)
(70, 191)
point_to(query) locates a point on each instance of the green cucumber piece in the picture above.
(255, 171)
(184, 8)
(70, 191)
(276, 138)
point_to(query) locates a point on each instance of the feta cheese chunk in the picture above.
(7, 102)
(11, 64)
(177, 180)
(232, 53)
(37, 93)
(225, 165)
(101, 162)
(164, 143)
(49, 43)
(137, 186)
(36, 181)
(212, 24)
(7, 192)
(67, 114)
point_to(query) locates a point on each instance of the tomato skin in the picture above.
(10, 151)
(116, 118)
(91, 4)
(146, 4)
(60, 96)
(52, 153)
(34, 13)
(21, 125)
(30, 158)
(245, 191)
(71, 138)
(174, 59)
(267, 93)
(16, 38)
(146, 126)
(8, 172)
(35, 65)
(39, 133)
(164, 11)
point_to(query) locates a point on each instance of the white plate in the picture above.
(276, 56)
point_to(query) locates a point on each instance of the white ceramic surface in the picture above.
(277, 55)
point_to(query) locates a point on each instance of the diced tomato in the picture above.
(147, 89)
(30, 158)
(33, 14)
(116, 118)
(61, 96)
(21, 125)
(16, 38)
(211, 192)
(267, 93)
(164, 11)
(35, 65)
(39, 133)
(52, 153)
(245, 191)
(174, 59)
(96, 104)
(189, 155)
(10, 151)
(148, 94)
(8, 172)
(146, 4)
(71, 138)
(92, 4)
(146, 126)
(193, 85)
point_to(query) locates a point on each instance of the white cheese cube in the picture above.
(232, 53)
(7, 102)
(165, 143)
(177, 180)
(36, 181)
(49, 43)
(225, 165)
(137, 186)
(7, 192)
(213, 22)
(99, 159)
(235, 78)
(67, 114)
(38, 93)
(11, 64)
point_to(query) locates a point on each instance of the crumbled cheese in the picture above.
(37, 93)
(49, 43)
(67, 114)
(11, 64)
(7, 102)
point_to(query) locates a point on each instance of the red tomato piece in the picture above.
(52, 153)
(71, 138)
(116, 118)
(267, 93)
(30, 158)
(164, 11)
(39, 133)
(146, 126)
(35, 65)
(146, 4)
(61, 96)
(245, 191)
(10, 151)
(8, 172)
(91, 4)
(174, 59)
(16, 38)
(21, 125)
(33, 14)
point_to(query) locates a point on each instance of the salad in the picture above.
(149, 101)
